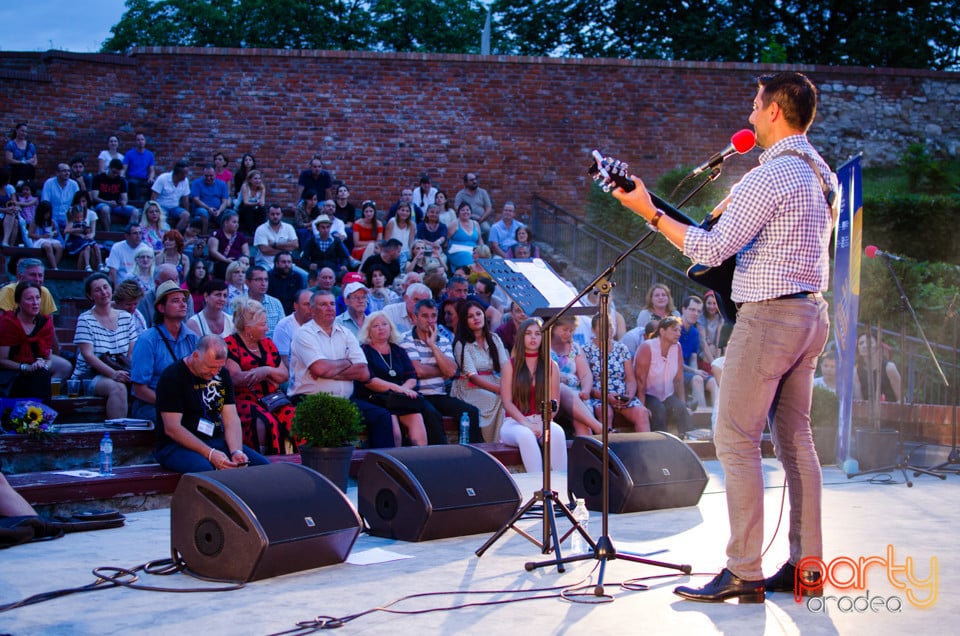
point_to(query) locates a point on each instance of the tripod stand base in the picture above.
(604, 551)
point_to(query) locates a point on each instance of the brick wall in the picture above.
(526, 125)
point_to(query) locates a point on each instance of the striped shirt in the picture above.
(90, 331)
(778, 224)
(418, 351)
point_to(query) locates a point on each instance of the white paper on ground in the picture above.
(375, 555)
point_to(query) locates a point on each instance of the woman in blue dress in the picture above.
(623, 402)
(462, 237)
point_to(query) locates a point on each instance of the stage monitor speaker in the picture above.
(430, 492)
(648, 471)
(258, 522)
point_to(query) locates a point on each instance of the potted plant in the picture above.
(824, 420)
(327, 428)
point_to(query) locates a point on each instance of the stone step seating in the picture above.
(68, 266)
(136, 478)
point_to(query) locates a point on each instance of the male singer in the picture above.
(777, 220)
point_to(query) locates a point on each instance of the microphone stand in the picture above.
(903, 465)
(953, 459)
(603, 549)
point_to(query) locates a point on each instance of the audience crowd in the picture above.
(220, 297)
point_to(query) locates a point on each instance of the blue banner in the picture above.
(846, 299)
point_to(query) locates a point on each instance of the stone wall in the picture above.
(526, 125)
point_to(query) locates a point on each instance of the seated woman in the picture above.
(622, 401)
(173, 254)
(366, 231)
(379, 295)
(212, 319)
(462, 237)
(143, 268)
(45, 235)
(523, 389)
(79, 232)
(659, 373)
(393, 380)
(480, 355)
(576, 381)
(877, 375)
(236, 280)
(26, 342)
(257, 370)
(227, 244)
(105, 337)
(127, 297)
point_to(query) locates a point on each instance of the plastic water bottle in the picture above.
(578, 545)
(464, 428)
(106, 454)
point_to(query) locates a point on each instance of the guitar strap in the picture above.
(829, 189)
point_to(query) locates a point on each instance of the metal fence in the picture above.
(589, 249)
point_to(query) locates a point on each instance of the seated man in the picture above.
(389, 258)
(123, 255)
(327, 357)
(199, 428)
(432, 356)
(159, 347)
(209, 198)
(284, 282)
(274, 237)
(325, 250)
(172, 191)
(698, 381)
(109, 193)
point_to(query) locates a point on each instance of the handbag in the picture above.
(116, 361)
(275, 401)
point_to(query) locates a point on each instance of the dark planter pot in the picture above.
(332, 463)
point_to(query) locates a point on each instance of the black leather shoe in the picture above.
(785, 580)
(725, 585)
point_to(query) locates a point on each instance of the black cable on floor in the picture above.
(109, 577)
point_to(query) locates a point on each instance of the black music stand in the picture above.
(523, 289)
(602, 549)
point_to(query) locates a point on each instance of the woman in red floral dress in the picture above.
(257, 370)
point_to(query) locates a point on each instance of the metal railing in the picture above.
(588, 249)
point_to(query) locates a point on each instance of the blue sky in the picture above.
(71, 25)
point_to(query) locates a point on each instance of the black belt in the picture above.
(797, 295)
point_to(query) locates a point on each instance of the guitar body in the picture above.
(718, 279)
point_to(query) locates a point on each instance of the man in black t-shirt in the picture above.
(109, 192)
(314, 178)
(199, 426)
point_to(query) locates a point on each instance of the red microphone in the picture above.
(872, 252)
(741, 142)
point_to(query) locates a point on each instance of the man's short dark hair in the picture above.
(116, 163)
(429, 303)
(180, 165)
(454, 280)
(284, 253)
(255, 268)
(392, 243)
(689, 299)
(130, 227)
(794, 93)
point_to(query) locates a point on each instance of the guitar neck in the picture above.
(671, 211)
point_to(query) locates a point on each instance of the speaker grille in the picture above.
(208, 537)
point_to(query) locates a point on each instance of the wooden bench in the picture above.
(51, 488)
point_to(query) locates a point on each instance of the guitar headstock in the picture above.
(610, 172)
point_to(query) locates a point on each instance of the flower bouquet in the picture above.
(34, 419)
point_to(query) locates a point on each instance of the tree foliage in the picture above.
(873, 33)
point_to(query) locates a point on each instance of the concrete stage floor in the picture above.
(861, 519)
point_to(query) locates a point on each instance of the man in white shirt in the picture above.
(287, 328)
(123, 254)
(402, 314)
(59, 191)
(172, 191)
(273, 237)
(326, 357)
